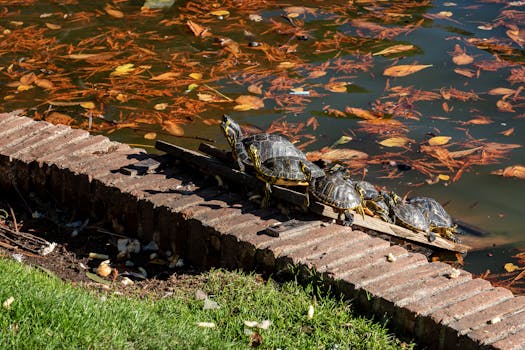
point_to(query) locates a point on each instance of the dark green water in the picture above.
(338, 42)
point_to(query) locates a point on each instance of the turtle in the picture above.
(440, 221)
(409, 216)
(335, 190)
(283, 170)
(268, 145)
(373, 200)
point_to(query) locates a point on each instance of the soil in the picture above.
(25, 222)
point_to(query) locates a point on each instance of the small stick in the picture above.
(14, 218)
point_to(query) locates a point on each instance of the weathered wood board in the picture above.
(211, 165)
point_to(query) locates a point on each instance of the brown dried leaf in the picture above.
(112, 12)
(480, 120)
(361, 113)
(501, 91)
(150, 136)
(465, 72)
(53, 26)
(255, 89)
(404, 70)
(504, 106)
(331, 154)
(197, 29)
(507, 132)
(59, 118)
(28, 79)
(247, 102)
(337, 86)
(166, 76)
(462, 59)
(44, 84)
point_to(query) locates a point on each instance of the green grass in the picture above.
(50, 314)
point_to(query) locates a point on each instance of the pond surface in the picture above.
(312, 70)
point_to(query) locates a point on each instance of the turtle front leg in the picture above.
(267, 191)
(348, 220)
(241, 165)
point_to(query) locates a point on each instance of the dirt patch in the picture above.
(140, 269)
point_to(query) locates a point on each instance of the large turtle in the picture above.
(283, 170)
(409, 216)
(335, 190)
(440, 221)
(267, 145)
(373, 200)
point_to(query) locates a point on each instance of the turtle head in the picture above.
(232, 131)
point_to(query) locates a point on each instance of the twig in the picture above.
(217, 92)
(14, 218)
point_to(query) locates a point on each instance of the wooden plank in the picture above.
(210, 165)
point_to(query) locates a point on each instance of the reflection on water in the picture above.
(129, 70)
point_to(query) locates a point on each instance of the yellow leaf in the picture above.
(220, 13)
(122, 97)
(87, 105)
(394, 49)
(394, 142)
(173, 128)
(443, 177)
(242, 107)
(196, 76)
(439, 140)
(150, 136)
(124, 69)
(404, 69)
(53, 26)
(166, 76)
(160, 106)
(23, 87)
(286, 65)
(510, 267)
(245, 101)
(445, 14)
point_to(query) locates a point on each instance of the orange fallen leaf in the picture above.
(28, 79)
(517, 171)
(361, 113)
(331, 154)
(160, 106)
(255, 89)
(481, 120)
(173, 128)
(316, 74)
(166, 76)
(502, 91)
(404, 70)
(59, 118)
(23, 87)
(150, 136)
(195, 76)
(443, 177)
(44, 84)
(53, 26)
(247, 102)
(465, 72)
(112, 12)
(286, 65)
(504, 106)
(462, 59)
(439, 140)
(87, 105)
(197, 29)
(507, 132)
(339, 86)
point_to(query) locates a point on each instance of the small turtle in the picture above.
(440, 221)
(339, 193)
(283, 170)
(373, 200)
(409, 216)
(267, 145)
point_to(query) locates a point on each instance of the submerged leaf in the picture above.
(173, 128)
(394, 49)
(247, 102)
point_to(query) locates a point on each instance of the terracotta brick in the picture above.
(22, 134)
(336, 234)
(79, 146)
(407, 281)
(263, 240)
(43, 137)
(492, 333)
(63, 141)
(337, 258)
(449, 296)
(12, 126)
(5, 117)
(514, 341)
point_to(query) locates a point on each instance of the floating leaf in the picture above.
(28, 79)
(510, 267)
(150, 136)
(439, 140)
(160, 106)
(124, 69)
(331, 154)
(247, 102)
(317, 73)
(173, 128)
(112, 12)
(394, 49)
(342, 140)
(361, 113)
(220, 13)
(504, 106)
(502, 91)
(87, 105)
(517, 171)
(197, 29)
(53, 26)
(465, 72)
(166, 76)
(23, 87)
(507, 132)
(404, 70)
(255, 89)
(195, 76)
(44, 84)
(394, 142)
(445, 14)
(192, 87)
(462, 59)
(339, 86)
(59, 118)
(480, 120)
(443, 177)
(286, 65)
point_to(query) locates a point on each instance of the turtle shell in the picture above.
(287, 170)
(436, 214)
(336, 191)
(367, 190)
(410, 216)
(268, 145)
